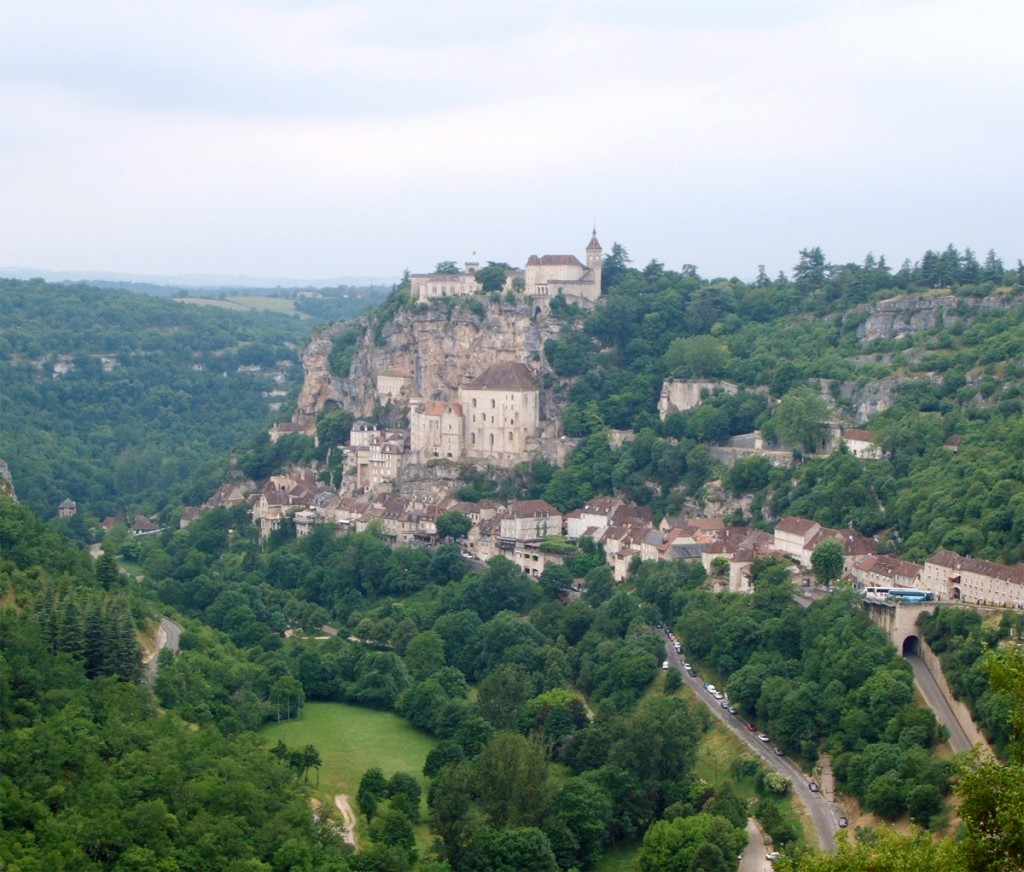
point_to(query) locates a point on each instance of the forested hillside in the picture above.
(92, 776)
(127, 403)
(794, 349)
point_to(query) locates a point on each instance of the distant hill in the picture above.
(165, 286)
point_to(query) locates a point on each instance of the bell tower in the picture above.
(594, 262)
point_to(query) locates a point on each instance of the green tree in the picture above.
(424, 655)
(512, 780)
(491, 277)
(827, 561)
(373, 787)
(453, 525)
(554, 578)
(800, 420)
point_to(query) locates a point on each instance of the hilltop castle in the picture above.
(544, 276)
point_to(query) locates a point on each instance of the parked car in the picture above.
(772, 855)
(813, 787)
(763, 738)
(779, 751)
(717, 694)
(751, 727)
(843, 822)
(664, 664)
(733, 710)
(686, 666)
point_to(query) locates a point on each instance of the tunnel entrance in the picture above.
(911, 646)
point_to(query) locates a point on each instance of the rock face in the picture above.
(6, 482)
(441, 348)
(900, 316)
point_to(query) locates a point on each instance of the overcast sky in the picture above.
(319, 139)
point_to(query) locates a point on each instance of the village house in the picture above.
(602, 512)
(950, 576)
(861, 443)
(884, 570)
(855, 546)
(67, 509)
(792, 535)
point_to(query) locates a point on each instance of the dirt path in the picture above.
(341, 801)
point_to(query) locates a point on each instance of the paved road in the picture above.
(167, 636)
(755, 852)
(938, 703)
(823, 814)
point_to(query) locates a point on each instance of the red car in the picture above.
(751, 727)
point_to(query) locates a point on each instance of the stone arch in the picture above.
(911, 646)
(957, 595)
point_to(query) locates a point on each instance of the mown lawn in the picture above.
(350, 740)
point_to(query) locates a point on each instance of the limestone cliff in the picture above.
(913, 313)
(440, 347)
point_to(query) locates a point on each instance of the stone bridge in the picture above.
(899, 620)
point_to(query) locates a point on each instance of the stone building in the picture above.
(436, 430)
(502, 413)
(949, 576)
(544, 276)
(496, 419)
(393, 384)
(681, 395)
(551, 274)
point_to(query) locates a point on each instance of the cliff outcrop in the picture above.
(900, 316)
(439, 347)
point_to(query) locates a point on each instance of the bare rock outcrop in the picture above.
(900, 316)
(440, 347)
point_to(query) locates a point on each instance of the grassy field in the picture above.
(240, 304)
(350, 740)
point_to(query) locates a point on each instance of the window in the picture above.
(492, 404)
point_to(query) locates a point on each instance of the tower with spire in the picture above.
(595, 260)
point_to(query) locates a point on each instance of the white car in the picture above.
(763, 738)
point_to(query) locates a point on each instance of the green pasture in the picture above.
(350, 740)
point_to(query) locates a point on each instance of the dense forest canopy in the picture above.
(128, 403)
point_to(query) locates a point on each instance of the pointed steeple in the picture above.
(594, 245)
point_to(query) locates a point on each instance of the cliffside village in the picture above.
(625, 531)
(495, 419)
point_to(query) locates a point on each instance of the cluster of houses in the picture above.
(521, 530)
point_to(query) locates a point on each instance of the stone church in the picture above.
(496, 419)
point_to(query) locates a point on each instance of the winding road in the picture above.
(823, 814)
(167, 636)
